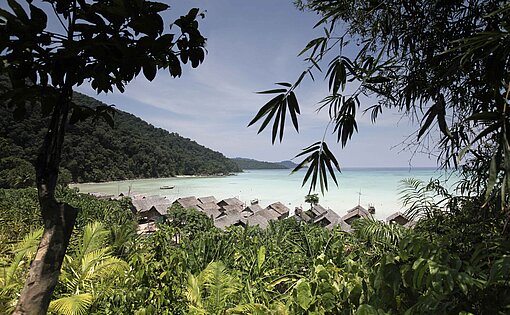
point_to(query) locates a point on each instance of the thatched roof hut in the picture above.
(328, 219)
(398, 218)
(251, 210)
(302, 215)
(279, 208)
(211, 209)
(316, 211)
(146, 202)
(232, 208)
(207, 199)
(230, 202)
(257, 219)
(187, 202)
(228, 218)
(355, 213)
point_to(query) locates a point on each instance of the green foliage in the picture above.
(211, 291)
(72, 305)
(189, 222)
(451, 263)
(91, 268)
(319, 158)
(22, 254)
(312, 199)
(16, 173)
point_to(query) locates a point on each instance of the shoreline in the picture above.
(379, 188)
(153, 178)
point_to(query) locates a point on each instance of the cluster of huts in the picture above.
(233, 212)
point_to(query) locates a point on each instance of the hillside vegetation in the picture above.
(455, 262)
(94, 152)
(250, 164)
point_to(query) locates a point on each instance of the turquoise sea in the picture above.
(378, 186)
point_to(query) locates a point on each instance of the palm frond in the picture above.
(94, 237)
(378, 232)
(219, 284)
(193, 292)
(108, 268)
(417, 197)
(28, 245)
(25, 248)
(211, 289)
(92, 258)
(72, 305)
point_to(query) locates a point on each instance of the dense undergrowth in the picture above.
(448, 264)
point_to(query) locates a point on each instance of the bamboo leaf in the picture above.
(275, 124)
(429, 118)
(267, 108)
(273, 91)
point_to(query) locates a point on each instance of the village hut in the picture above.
(316, 211)
(208, 199)
(187, 202)
(268, 214)
(302, 215)
(228, 218)
(355, 213)
(155, 213)
(150, 208)
(279, 208)
(258, 219)
(230, 202)
(146, 228)
(232, 208)
(211, 209)
(327, 219)
(398, 218)
(251, 210)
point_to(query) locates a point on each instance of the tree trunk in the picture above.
(58, 218)
(45, 268)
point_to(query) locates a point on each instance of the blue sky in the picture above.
(251, 45)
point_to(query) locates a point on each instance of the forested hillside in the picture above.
(250, 164)
(93, 151)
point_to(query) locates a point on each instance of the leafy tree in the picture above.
(312, 199)
(189, 222)
(441, 63)
(105, 43)
(16, 173)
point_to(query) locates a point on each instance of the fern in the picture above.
(91, 270)
(94, 237)
(72, 305)
(211, 289)
(419, 198)
(25, 248)
(379, 233)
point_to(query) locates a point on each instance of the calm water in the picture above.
(378, 187)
